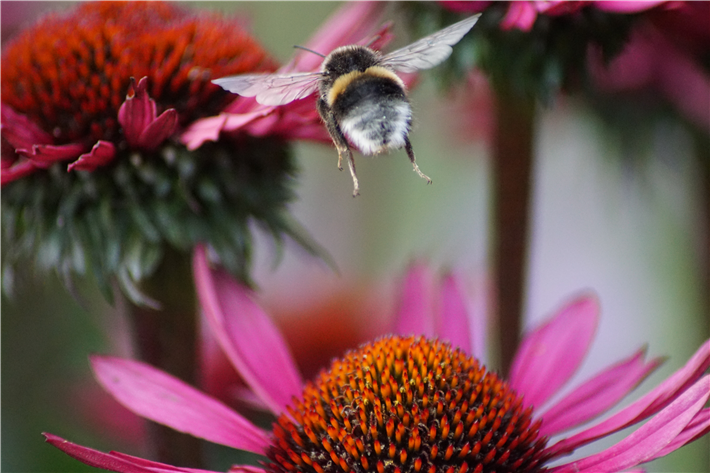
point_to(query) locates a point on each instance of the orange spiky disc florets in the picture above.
(71, 73)
(407, 405)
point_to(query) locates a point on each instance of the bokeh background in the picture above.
(632, 231)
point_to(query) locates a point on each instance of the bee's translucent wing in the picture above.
(272, 89)
(430, 50)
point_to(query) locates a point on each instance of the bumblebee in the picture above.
(360, 98)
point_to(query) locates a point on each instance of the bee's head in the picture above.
(349, 58)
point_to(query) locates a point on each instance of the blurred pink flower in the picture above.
(660, 60)
(546, 360)
(521, 15)
(354, 23)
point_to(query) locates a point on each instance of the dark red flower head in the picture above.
(70, 74)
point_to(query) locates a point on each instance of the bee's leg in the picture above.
(351, 165)
(410, 153)
(341, 143)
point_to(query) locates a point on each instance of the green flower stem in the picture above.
(167, 339)
(512, 176)
(702, 146)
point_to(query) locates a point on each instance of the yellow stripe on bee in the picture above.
(342, 82)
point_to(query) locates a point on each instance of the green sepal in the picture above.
(117, 223)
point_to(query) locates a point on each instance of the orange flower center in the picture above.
(407, 405)
(71, 73)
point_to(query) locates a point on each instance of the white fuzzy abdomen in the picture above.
(376, 126)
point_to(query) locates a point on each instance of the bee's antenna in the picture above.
(309, 50)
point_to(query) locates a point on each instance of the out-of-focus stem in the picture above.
(166, 339)
(512, 175)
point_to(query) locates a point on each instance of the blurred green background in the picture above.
(631, 233)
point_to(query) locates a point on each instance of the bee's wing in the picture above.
(430, 50)
(272, 89)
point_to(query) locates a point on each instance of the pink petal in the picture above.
(157, 396)
(246, 469)
(628, 7)
(205, 129)
(102, 153)
(520, 15)
(560, 7)
(159, 129)
(137, 112)
(466, 6)
(45, 155)
(247, 335)
(643, 408)
(597, 395)
(550, 355)
(454, 319)
(113, 461)
(415, 315)
(17, 171)
(643, 444)
(699, 426)
(20, 131)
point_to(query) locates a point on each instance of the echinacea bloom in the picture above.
(94, 178)
(521, 15)
(99, 175)
(413, 403)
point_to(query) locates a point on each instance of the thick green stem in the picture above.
(167, 339)
(512, 176)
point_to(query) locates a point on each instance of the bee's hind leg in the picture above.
(344, 150)
(351, 165)
(410, 153)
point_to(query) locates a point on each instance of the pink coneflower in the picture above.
(521, 15)
(107, 163)
(410, 403)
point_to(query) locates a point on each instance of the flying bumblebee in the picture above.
(360, 98)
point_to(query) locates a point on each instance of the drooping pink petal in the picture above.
(644, 407)
(102, 153)
(114, 461)
(656, 434)
(20, 131)
(634, 6)
(550, 355)
(454, 315)
(137, 117)
(136, 112)
(415, 314)
(17, 171)
(247, 335)
(520, 15)
(159, 130)
(597, 395)
(157, 396)
(44, 156)
(699, 426)
(206, 129)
